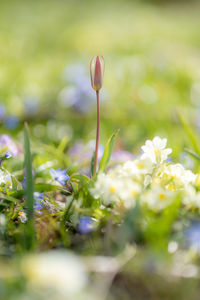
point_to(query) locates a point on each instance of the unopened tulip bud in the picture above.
(96, 72)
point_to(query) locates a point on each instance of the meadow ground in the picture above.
(133, 228)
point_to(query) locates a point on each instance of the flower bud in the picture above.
(96, 72)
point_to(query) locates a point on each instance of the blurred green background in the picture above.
(152, 56)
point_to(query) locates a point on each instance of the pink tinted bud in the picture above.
(96, 72)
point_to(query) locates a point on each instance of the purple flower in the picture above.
(82, 154)
(7, 142)
(85, 225)
(193, 236)
(78, 94)
(59, 175)
(121, 156)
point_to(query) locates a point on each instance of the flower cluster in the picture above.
(149, 179)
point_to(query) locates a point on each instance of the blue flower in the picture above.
(2, 111)
(24, 182)
(59, 175)
(12, 122)
(7, 155)
(31, 106)
(85, 225)
(39, 201)
(193, 236)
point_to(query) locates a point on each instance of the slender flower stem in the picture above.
(97, 135)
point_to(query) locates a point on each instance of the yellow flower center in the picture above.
(162, 196)
(134, 193)
(140, 165)
(19, 213)
(112, 189)
(157, 152)
(171, 187)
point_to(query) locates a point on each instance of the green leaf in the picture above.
(8, 198)
(83, 179)
(29, 190)
(62, 145)
(14, 183)
(107, 152)
(67, 212)
(42, 187)
(45, 187)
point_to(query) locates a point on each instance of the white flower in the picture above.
(129, 192)
(112, 188)
(106, 188)
(137, 167)
(22, 216)
(61, 271)
(5, 178)
(148, 179)
(190, 177)
(191, 197)
(157, 198)
(155, 150)
(178, 175)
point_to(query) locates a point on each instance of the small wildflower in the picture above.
(157, 198)
(12, 122)
(7, 143)
(24, 182)
(2, 111)
(177, 176)
(22, 216)
(193, 236)
(59, 175)
(31, 106)
(85, 225)
(39, 201)
(155, 150)
(7, 155)
(77, 94)
(5, 179)
(97, 72)
(191, 198)
(106, 188)
(137, 167)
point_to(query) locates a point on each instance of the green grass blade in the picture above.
(192, 153)
(29, 190)
(190, 133)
